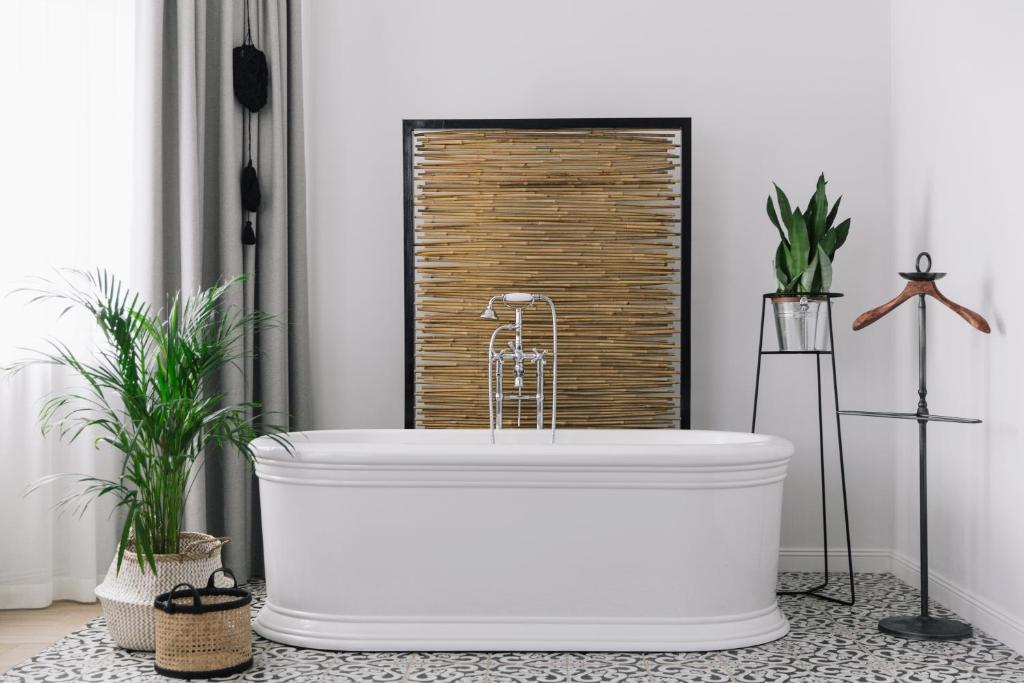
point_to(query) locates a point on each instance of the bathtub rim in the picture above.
(529, 449)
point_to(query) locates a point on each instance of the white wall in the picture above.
(958, 108)
(777, 91)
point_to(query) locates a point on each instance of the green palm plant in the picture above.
(148, 392)
(807, 247)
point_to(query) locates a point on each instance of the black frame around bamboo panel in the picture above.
(682, 124)
(815, 591)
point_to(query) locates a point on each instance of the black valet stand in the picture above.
(815, 591)
(921, 283)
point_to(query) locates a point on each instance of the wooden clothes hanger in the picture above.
(922, 283)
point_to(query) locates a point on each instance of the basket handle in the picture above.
(217, 542)
(226, 572)
(170, 609)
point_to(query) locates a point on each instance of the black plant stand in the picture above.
(815, 591)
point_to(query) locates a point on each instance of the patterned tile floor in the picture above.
(827, 643)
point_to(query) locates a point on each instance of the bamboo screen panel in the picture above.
(589, 216)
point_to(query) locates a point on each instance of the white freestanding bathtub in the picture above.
(606, 540)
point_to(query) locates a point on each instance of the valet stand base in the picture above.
(919, 627)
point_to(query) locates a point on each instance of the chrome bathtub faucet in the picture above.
(518, 301)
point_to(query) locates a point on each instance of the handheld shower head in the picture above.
(517, 298)
(511, 299)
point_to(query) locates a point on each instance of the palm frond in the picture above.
(147, 393)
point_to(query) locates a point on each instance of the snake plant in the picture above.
(809, 242)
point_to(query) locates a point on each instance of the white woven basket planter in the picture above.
(127, 597)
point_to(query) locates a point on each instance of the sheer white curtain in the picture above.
(66, 134)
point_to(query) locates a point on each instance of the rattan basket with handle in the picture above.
(203, 632)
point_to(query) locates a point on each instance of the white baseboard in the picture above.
(809, 560)
(37, 594)
(980, 612)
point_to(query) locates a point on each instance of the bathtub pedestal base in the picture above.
(332, 632)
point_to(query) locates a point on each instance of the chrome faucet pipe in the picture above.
(540, 388)
(491, 399)
(517, 346)
(554, 363)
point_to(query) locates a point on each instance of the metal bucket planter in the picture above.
(801, 322)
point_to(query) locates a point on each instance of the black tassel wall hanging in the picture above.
(250, 189)
(251, 80)
(250, 71)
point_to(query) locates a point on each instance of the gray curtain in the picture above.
(190, 153)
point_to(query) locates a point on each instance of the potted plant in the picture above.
(809, 240)
(147, 393)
